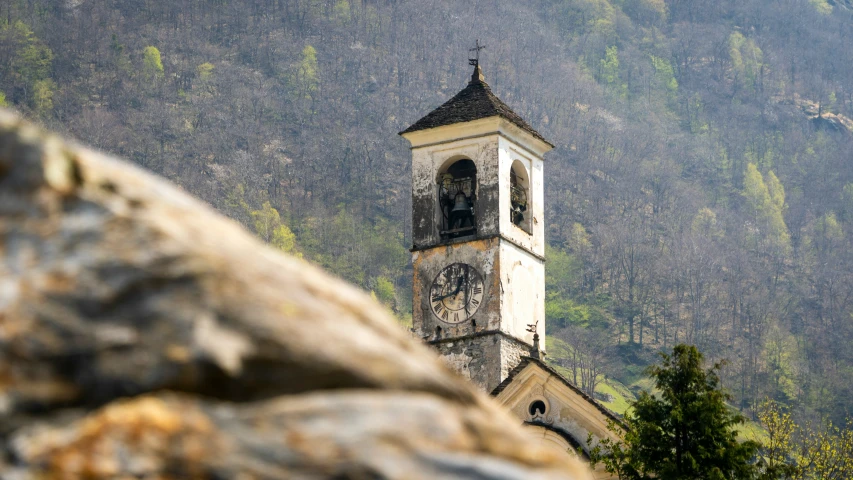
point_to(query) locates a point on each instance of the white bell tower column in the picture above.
(478, 233)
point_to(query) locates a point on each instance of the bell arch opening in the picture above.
(519, 197)
(457, 197)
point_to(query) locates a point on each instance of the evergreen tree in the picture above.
(683, 431)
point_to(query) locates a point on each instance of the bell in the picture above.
(460, 204)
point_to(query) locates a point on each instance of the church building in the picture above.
(478, 234)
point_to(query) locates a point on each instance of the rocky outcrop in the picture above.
(142, 334)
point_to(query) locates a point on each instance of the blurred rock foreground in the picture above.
(144, 335)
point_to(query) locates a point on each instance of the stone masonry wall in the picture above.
(511, 352)
(485, 360)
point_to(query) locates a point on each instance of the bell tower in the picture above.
(478, 233)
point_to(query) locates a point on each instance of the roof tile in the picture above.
(474, 102)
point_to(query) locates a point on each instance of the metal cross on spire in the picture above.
(476, 60)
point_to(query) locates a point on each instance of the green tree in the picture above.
(237, 207)
(29, 64)
(265, 221)
(776, 191)
(683, 431)
(152, 64)
(767, 203)
(609, 71)
(563, 270)
(42, 98)
(610, 66)
(306, 73)
(269, 227)
(800, 452)
(204, 71)
(746, 59)
(385, 291)
(705, 224)
(775, 459)
(665, 75)
(825, 453)
(32, 59)
(579, 239)
(285, 240)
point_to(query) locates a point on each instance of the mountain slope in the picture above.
(691, 196)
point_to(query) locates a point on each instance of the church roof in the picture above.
(525, 361)
(474, 102)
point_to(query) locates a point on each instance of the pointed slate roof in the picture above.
(474, 102)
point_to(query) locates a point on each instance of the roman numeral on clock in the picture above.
(456, 293)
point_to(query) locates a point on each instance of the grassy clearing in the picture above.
(557, 348)
(622, 396)
(750, 430)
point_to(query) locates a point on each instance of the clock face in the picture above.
(456, 293)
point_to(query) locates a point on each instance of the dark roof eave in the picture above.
(537, 137)
(474, 102)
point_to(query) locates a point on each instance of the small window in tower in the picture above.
(519, 183)
(457, 198)
(537, 408)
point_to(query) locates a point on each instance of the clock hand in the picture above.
(453, 293)
(444, 296)
(458, 285)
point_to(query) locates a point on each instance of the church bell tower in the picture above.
(478, 233)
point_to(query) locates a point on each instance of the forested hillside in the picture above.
(701, 190)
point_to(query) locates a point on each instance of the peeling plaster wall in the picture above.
(482, 255)
(428, 161)
(514, 294)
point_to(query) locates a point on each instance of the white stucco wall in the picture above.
(509, 152)
(523, 286)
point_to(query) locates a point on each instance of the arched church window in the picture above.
(457, 197)
(519, 194)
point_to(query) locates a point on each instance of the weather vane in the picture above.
(476, 50)
(532, 327)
